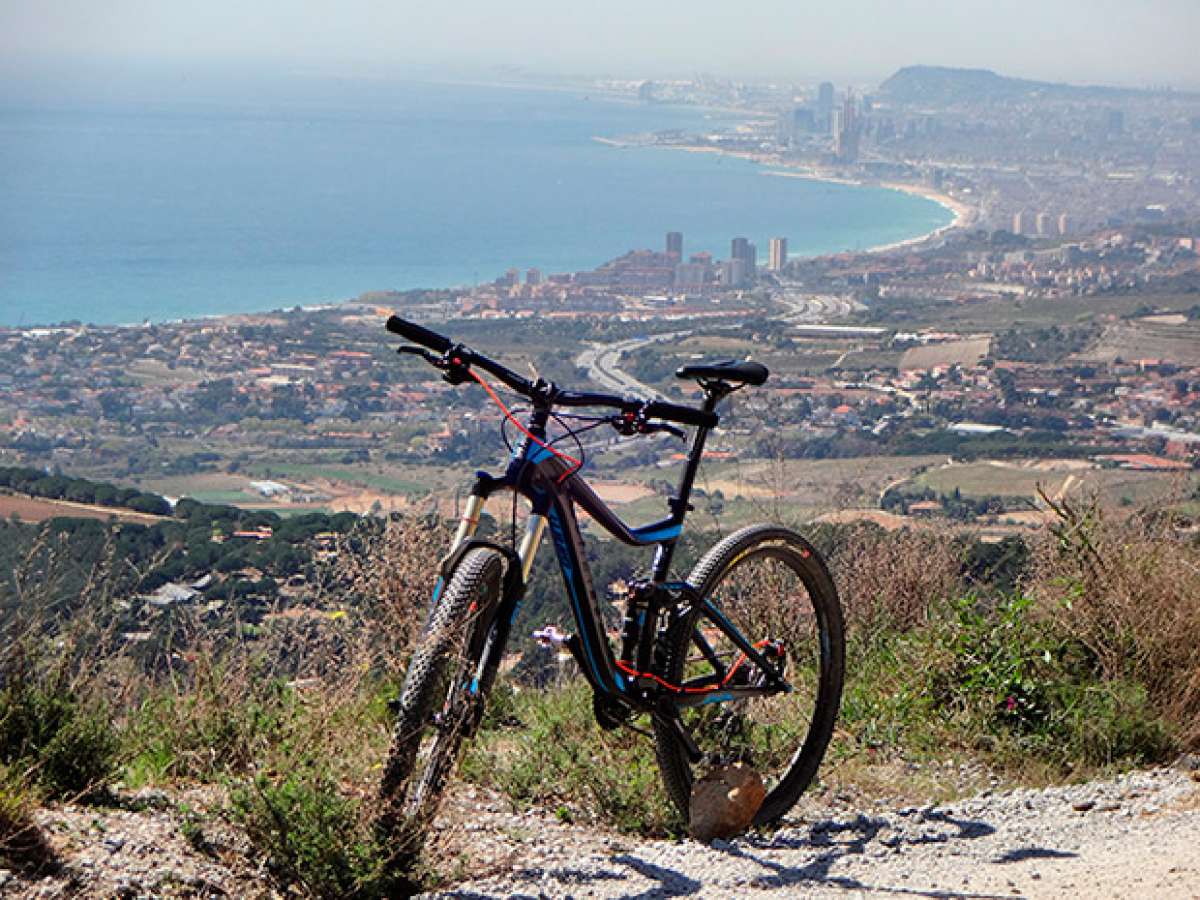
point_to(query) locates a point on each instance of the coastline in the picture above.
(963, 214)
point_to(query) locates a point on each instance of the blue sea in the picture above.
(116, 212)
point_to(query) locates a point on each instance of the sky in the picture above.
(1132, 42)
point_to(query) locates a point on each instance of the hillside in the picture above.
(944, 85)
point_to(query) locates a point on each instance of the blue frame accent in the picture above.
(653, 534)
(566, 562)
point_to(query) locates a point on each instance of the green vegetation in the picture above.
(37, 483)
(313, 836)
(67, 744)
(1072, 653)
(22, 844)
(347, 474)
(545, 750)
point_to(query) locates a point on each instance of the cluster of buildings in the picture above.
(969, 267)
(668, 270)
(1041, 163)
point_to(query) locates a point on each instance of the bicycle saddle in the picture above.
(727, 370)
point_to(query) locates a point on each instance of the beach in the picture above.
(963, 213)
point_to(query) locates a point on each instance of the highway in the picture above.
(602, 361)
(602, 364)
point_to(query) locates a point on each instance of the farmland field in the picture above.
(1111, 486)
(1147, 340)
(36, 509)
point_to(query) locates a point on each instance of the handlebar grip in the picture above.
(684, 415)
(418, 334)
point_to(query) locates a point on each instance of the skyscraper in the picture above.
(846, 131)
(1042, 224)
(777, 257)
(803, 120)
(1019, 223)
(825, 104)
(741, 249)
(675, 244)
(734, 273)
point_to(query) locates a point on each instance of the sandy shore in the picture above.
(963, 213)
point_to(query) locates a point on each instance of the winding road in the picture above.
(602, 361)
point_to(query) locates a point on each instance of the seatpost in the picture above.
(714, 393)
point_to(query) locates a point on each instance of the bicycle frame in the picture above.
(553, 491)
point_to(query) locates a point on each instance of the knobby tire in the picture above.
(819, 608)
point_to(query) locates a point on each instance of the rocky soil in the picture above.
(1133, 836)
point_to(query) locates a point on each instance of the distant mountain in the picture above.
(942, 85)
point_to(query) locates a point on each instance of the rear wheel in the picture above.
(441, 701)
(773, 588)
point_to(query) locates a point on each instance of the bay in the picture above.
(123, 213)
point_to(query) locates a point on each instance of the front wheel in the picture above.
(768, 584)
(441, 700)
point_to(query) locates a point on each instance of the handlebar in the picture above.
(456, 357)
(418, 334)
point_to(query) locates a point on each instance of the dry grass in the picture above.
(893, 579)
(1129, 590)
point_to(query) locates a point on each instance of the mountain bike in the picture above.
(741, 662)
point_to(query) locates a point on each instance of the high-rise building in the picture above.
(690, 275)
(675, 244)
(741, 248)
(825, 104)
(1064, 224)
(1019, 222)
(846, 131)
(533, 277)
(777, 256)
(1042, 223)
(803, 121)
(735, 273)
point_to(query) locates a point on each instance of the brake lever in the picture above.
(630, 424)
(418, 351)
(669, 429)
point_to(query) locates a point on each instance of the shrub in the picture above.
(315, 837)
(1128, 590)
(1020, 677)
(994, 677)
(67, 741)
(22, 843)
(220, 722)
(891, 579)
(559, 758)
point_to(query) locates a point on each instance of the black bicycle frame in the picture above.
(553, 490)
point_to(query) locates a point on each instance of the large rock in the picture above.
(724, 802)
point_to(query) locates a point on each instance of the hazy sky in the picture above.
(1138, 42)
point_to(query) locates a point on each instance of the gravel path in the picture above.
(1133, 836)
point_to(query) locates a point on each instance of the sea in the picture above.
(123, 212)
